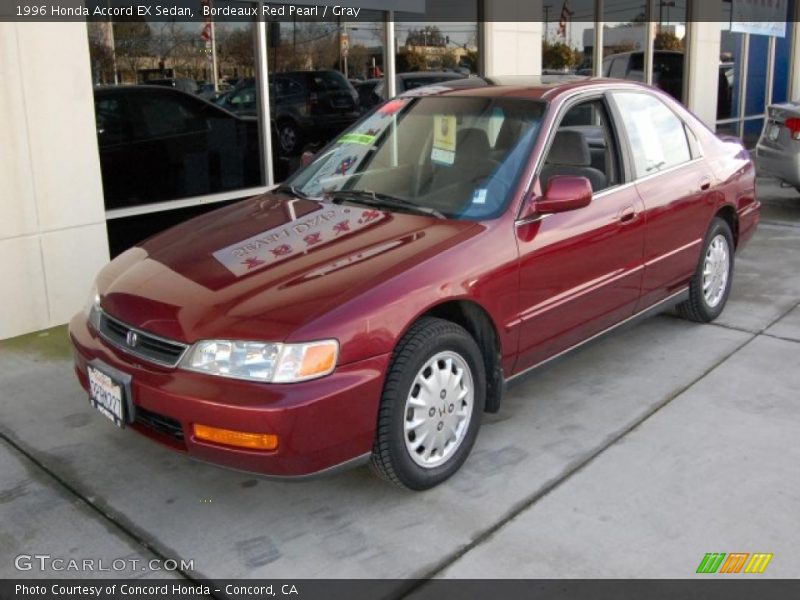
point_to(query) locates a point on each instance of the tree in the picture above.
(449, 59)
(358, 60)
(101, 55)
(132, 43)
(559, 56)
(410, 60)
(470, 61)
(235, 49)
(666, 40)
(429, 36)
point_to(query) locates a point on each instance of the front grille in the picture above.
(159, 423)
(140, 343)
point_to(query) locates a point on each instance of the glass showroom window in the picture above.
(625, 39)
(568, 45)
(636, 32)
(165, 141)
(754, 73)
(440, 45)
(321, 80)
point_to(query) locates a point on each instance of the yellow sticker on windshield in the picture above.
(356, 138)
(444, 132)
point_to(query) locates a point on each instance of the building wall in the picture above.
(52, 231)
(703, 74)
(512, 48)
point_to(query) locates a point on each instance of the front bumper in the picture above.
(320, 424)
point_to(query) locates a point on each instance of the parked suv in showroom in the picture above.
(306, 106)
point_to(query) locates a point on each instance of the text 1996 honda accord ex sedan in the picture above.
(374, 305)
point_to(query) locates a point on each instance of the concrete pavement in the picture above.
(630, 458)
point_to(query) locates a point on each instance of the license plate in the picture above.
(774, 132)
(107, 395)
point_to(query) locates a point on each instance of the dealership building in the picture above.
(72, 199)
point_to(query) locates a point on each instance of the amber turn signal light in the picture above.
(318, 359)
(239, 439)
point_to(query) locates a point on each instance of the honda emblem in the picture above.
(132, 338)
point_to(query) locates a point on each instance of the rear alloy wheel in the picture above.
(431, 406)
(711, 284)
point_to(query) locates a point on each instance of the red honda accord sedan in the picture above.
(374, 306)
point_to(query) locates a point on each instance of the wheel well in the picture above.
(477, 322)
(728, 214)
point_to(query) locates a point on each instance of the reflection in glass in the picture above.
(624, 38)
(322, 77)
(731, 45)
(568, 39)
(669, 47)
(443, 40)
(159, 134)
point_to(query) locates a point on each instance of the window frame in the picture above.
(620, 141)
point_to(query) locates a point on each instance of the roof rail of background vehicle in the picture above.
(544, 87)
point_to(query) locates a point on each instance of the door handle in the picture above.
(705, 184)
(627, 214)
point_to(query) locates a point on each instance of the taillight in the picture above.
(793, 125)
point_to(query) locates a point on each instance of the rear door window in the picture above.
(656, 134)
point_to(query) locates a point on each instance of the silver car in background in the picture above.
(778, 150)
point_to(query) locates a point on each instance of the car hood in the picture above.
(264, 267)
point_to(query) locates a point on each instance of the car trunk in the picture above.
(777, 132)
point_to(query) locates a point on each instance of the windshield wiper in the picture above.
(293, 191)
(370, 198)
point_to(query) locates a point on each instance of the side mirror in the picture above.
(564, 193)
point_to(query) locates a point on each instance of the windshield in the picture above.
(459, 157)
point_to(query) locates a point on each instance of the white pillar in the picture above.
(512, 48)
(53, 237)
(702, 64)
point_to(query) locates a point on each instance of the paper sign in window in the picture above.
(444, 139)
(649, 139)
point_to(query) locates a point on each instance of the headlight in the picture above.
(92, 308)
(258, 361)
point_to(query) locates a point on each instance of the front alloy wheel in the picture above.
(431, 406)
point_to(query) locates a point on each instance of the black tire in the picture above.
(391, 459)
(696, 307)
(289, 138)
